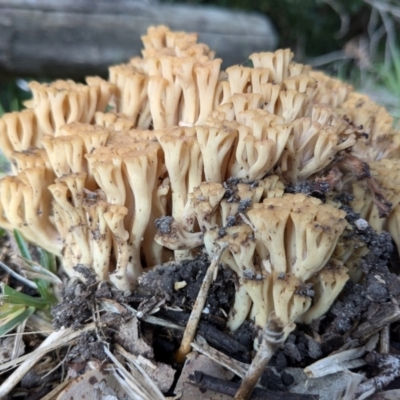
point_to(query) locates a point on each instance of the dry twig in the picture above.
(191, 327)
(272, 335)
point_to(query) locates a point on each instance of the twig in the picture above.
(272, 335)
(237, 367)
(390, 370)
(385, 339)
(18, 339)
(191, 327)
(336, 362)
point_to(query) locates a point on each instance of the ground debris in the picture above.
(161, 282)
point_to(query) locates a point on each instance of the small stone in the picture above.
(361, 224)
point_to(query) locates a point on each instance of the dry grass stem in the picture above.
(30, 361)
(191, 326)
(140, 384)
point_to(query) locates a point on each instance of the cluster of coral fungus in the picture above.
(171, 154)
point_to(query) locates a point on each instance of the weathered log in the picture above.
(75, 38)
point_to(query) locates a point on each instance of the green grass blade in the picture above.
(7, 309)
(45, 291)
(22, 245)
(14, 297)
(48, 261)
(15, 319)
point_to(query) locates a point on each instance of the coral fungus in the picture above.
(171, 153)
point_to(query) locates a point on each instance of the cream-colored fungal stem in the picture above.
(244, 193)
(141, 171)
(277, 62)
(298, 69)
(244, 102)
(238, 159)
(157, 254)
(259, 120)
(289, 302)
(100, 239)
(259, 77)
(177, 160)
(65, 154)
(37, 207)
(114, 217)
(174, 237)
(270, 224)
(270, 97)
(13, 195)
(329, 90)
(27, 204)
(155, 38)
(190, 105)
(216, 145)
(59, 103)
(302, 83)
(310, 148)
(222, 113)
(163, 66)
(298, 232)
(108, 175)
(92, 138)
(18, 132)
(239, 78)
(104, 93)
(222, 94)
(240, 309)
(207, 75)
(71, 221)
(241, 244)
(315, 235)
(327, 285)
(205, 200)
(292, 104)
(117, 122)
(21, 160)
(131, 94)
(157, 87)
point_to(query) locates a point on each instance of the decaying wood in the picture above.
(204, 381)
(387, 314)
(64, 38)
(389, 366)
